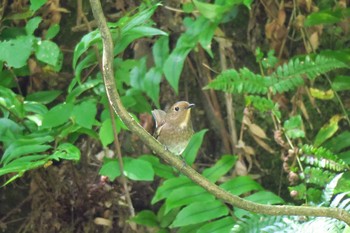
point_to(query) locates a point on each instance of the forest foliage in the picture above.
(272, 103)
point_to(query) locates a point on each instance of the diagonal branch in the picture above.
(114, 98)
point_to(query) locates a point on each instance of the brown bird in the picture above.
(174, 127)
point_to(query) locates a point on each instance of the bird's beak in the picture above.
(190, 106)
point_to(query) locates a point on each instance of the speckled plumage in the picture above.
(174, 127)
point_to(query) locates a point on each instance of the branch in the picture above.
(153, 144)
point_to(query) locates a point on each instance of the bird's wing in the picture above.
(159, 117)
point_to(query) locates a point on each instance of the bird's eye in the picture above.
(177, 108)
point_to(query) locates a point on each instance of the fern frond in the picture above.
(290, 75)
(262, 104)
(322, 158)
(328, 191)
(244, 81)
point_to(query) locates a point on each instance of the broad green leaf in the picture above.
(140, 18)
(73, 94)
(23, 164)
(218, 226)
(336, 143)
(84, 113)
(173, 66)
(32, 25)
(48, 52)
(57, 115)
(43, 97)
(12, 153)
(170, 185)
(196, 31)
(138, 169)
(326, 17)
(160, 169)
(137, 74)
(11, 102)
(187, 195)
(106, 132)
(193, 146)
(328, 130)
(52, 31)
(322, 95)
(67, 151)
(110, 168)
(160, 51)
(200, 212)
(293, 127)
(87, 61)
(166, 219)
(341, 83)
(220, 168)
(211, 11)
(22, 46)
(9, 131)
(241, 185)
(85, 43)
(36, 4)
(145, 218)
(262, 197)
(152, 84)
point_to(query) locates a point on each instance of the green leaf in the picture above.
(200, 212)
(32, 25)
(218, 226)
(169, 186)
(293, 127)
(12, 153)
(326, 17)
(152, 84)
(110, 168)
(83, 45)
(160, 169)
(73, 94)
(241, 185)
(262, 197)
(160, 51)
(43, 97)
(52, 31)
(328, 130)
(84, 113)
(146, 218)
(138, 169)
(67, 151)
(106, 132)
(11, 102)
(166, 219)
(335, 144)
(211, 11)
(341, 83)
(48, 52)
(221, 167)
(22, 46)
(36, 4)
(195, 143)
(186, 195)
(57, 115)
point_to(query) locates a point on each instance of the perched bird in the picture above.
(174, 127)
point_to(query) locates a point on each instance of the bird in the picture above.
(174, 127)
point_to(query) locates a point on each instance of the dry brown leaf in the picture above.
(249, 150)
(313, 42)
(241, 168)
(103, 222)
(264, 145)
(257, 131)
